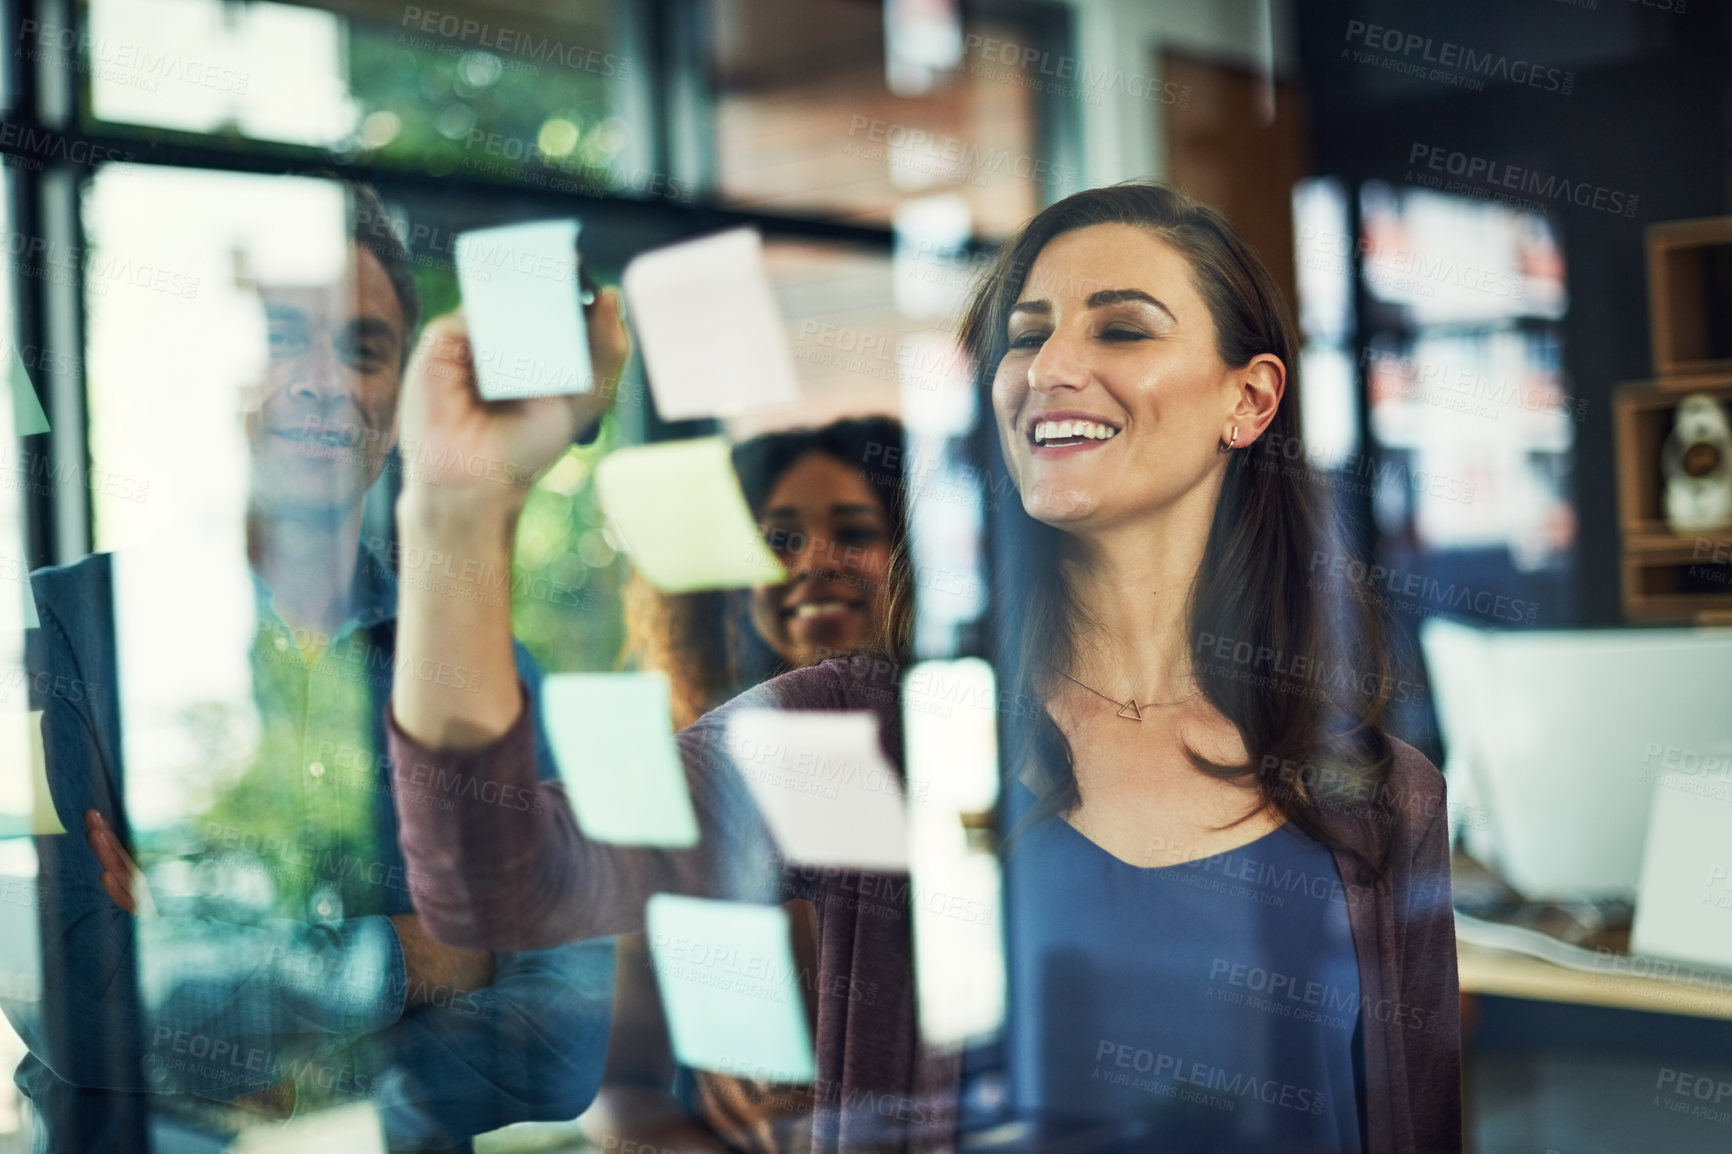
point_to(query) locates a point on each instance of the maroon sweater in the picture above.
(496, 860)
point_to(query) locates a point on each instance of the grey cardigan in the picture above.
(491, 875)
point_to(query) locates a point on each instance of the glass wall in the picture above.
(223, 258)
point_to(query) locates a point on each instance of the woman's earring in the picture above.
(1227, 447)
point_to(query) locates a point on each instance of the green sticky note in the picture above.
(612, 736)
(32, 620)
(683, 517)
(27, 415)
(727, 979)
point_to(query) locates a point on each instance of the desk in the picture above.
(1512, 975)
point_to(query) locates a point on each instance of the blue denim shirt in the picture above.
(142, 1016)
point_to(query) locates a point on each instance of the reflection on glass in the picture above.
(247, 340)
(1323, 259)
(266, 71)
(460, 88)
(1430, 258)
(805, 120)
(951, 742)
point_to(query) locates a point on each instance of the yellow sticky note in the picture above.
(27, 415)
(44, 819)
(684, 520)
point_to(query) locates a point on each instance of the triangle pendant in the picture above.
(1129, 710)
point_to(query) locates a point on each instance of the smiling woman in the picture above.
(1165, 848)
(1139, 359)
(833, 520)
(835, 523)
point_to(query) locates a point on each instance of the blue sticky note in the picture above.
(521, 302)
(612, 736)
(728, 981)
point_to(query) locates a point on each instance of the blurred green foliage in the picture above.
(448, 107)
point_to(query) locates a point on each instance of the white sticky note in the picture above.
(823, 786)
(1684, 905)
(714, 343)
(353, 1129)
(682, 517)
(612, 735)
(520, 299)
(729, 984)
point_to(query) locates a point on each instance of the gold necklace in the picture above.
(1127, 709)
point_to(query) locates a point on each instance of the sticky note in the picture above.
(26, 804)
(714, 342)
(44, 819)
(823, 786)
(27, 415)
(351, 1129)
(520, 299)
(32, 620)
(682, 517)
(729, 984)
(612, 736)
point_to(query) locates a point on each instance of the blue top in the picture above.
(1215, 1001)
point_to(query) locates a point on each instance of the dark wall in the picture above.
(1648, 114)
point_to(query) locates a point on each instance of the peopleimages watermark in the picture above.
(1172, 1076)
(1685, 761)
(41, 475)
(1298, 672)
(1370, 582)
(755, 975)
(885, 356)
(93, 269)
(946, 156)
(1407, 270)
(564, 171)
(807, 771)
(226, 1062)
(1040, 70)
(1361, 472)
(508, 41)
(1337, 785)
(1488, 179)
(1308, 1000)
(141, 66)
(1412, 54)
(1697, 1095)
(1430, 379)
(42, 144)
(940, 476)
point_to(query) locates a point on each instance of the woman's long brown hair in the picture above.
(1305, 679)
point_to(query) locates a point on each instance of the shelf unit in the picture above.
(1667, 577)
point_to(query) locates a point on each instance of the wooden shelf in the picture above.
(1667, 576)
(1690, 296)
(1656, 542)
